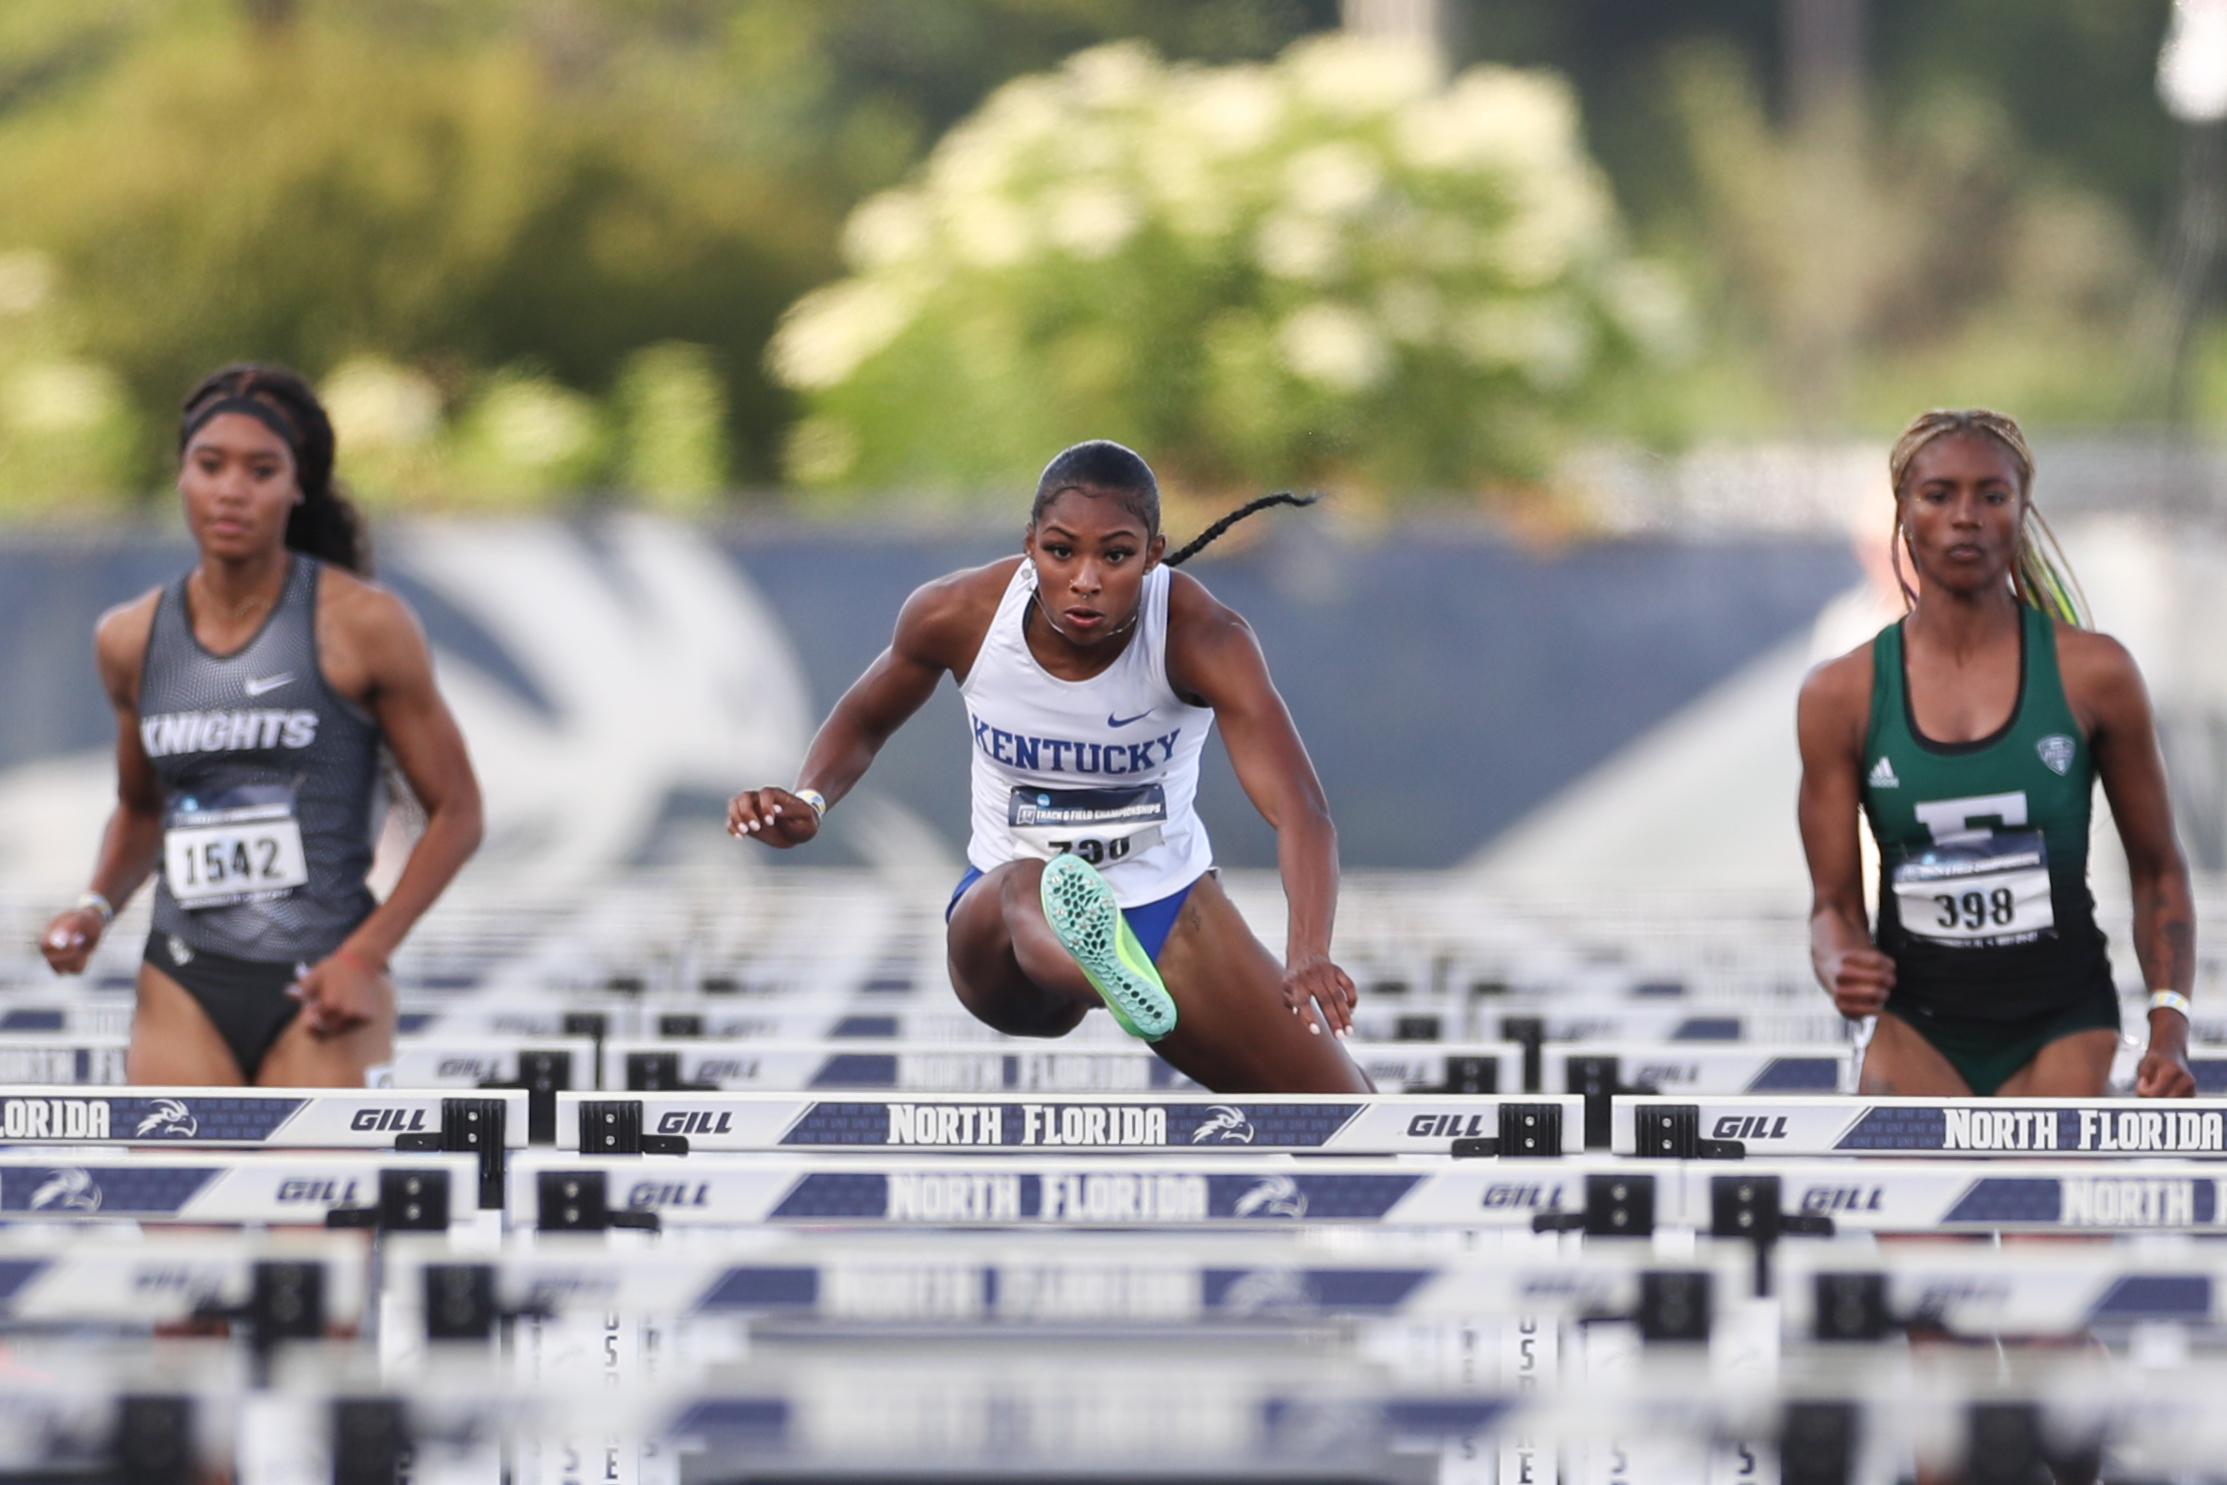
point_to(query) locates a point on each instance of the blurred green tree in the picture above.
(484, 194)
(1337, 266)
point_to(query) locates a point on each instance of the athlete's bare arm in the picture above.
(939, 629)
(1215, 661)
(375, 655)
(132, 843)
(1829, 721)
(2105, 689)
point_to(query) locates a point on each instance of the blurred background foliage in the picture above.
(537, 247)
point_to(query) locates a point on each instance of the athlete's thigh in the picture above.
(299, 1060)
(173, 1041)
(1900, 1061)
(986, 972)
(2075, 1066)
(1233, 1032)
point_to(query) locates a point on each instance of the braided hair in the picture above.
(326, 524)
(2040, 576)
(1101, 466)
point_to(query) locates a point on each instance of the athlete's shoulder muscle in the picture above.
(120, 646)
(2102, 683)
(943, 621)
(1835, 706)
(367, 637)
(1207, 639)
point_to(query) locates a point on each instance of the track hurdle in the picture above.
(2007, 1128)
(488, 1126)
(233, 1188)
(1385, 1124)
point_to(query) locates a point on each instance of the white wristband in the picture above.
(814, 798)
(98, 904)
(2169, 1000)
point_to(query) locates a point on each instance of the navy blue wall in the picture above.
(1446, 680)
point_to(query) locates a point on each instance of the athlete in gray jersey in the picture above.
(253, 697)
(257, 738)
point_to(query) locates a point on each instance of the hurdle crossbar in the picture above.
(2024, 1128)
(1391, 1124)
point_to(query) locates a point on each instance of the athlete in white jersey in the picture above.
(1092, 673)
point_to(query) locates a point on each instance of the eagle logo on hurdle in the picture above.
(67, 1190)
(1275, 1196)
(1224, 1125)
(169, 1116)
(1270, 1291)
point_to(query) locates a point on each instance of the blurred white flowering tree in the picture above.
(1335, 266)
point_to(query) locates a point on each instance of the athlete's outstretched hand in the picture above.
(1316, 982)
(338, 993)
(70, 938)
(772, 815)
(1860, 980)
(2163, 1072)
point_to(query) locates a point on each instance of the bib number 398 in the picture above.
(226, 859)
(1988, 891)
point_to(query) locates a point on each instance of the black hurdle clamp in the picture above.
(1527, 1131)
(613, 1126)
(659, 1072)
(580, 1201)
(154, 1441)
(286, 1302)
(370, 1440)
(1750, 1207)
(1817, 1443)
(461, 1305)
(1469, 1075)
(1672, 1131)
(1598, 1080)
(1530, 1033)
(2006, 1443)
(409, 1201)
(543, 1073)
(472, 1126)
(1615, 1206)
(1675, 1304)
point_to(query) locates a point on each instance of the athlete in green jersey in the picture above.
(1971, 734)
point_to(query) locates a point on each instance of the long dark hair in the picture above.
(1102, 466)
(326, 525)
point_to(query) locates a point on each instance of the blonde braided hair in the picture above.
(2040, 576)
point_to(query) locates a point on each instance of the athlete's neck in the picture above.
(237, 591)
(1060, 653)
(1960, 626)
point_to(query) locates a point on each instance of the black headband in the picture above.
(254, 407)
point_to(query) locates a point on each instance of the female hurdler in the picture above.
(1971, 734)
(1092, 673)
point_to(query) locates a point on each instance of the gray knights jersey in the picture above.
(269, 781)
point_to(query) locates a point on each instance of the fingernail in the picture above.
(1314, 1028)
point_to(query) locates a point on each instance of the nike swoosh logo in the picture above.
(1114, 721)
(260, 684)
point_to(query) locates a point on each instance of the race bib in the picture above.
(1101, 826)
(1979, 891)
(247, 849)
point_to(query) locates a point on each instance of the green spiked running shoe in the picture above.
(1082, 911)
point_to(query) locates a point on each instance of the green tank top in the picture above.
(1983, 846)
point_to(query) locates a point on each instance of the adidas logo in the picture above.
(1882, 775)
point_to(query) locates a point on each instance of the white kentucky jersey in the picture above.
(1107, 768)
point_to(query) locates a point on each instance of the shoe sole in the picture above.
(1083, 915)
